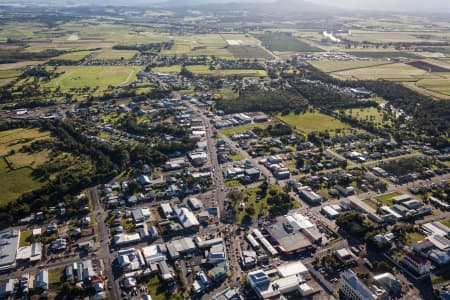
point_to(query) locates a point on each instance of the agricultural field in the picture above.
(393, 36)
(283, 42)
(110, 54)
(249, 52)
(315, 121)
(199, 44)
(441, 86)
(335, 66)
(93, 76)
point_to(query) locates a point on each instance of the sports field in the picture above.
(93, 76)
(309, 122)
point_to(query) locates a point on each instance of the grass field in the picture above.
(260, 205)
(334, 66)
(17, 138)
(6, 76)
(243, 128)
(370, 114)
(74, 56)
(115, 54)
(392, 36)
(93, 76)
(204, 70)
(384, 54)
(15, 182)
(413, 237)
(283, 42)
(397, 71)
(309, 122)
(441, 86)
(446, 222)
(24, 236)
(199, 44)
(386, 199)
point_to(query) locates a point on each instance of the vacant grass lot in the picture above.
(309, 122)
(243, 128)
(24, 236)
(386, 199)
(93, 76)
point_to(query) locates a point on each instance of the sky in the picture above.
(391, 5)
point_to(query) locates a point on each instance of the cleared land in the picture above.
(309, 122)
(199, 44)
(393, 36)
(93, 76)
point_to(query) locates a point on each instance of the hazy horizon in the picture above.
(438, 6)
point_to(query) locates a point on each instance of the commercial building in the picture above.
(416, 263)
(352, 288)
(9, 242)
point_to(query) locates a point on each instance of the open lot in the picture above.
(315, 121)
(370, 114)
(241, 129)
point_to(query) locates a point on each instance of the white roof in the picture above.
(292, 268)
(186, 217)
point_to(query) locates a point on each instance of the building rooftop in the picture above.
(9, 242)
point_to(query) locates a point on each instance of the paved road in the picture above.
(103, 238)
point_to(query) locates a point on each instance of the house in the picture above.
(345, 191)
(41, 281)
